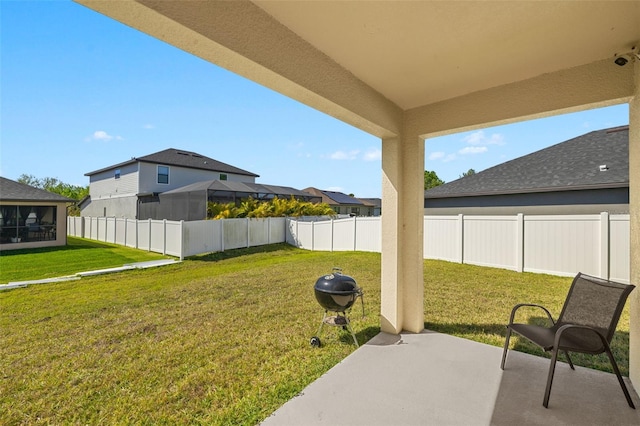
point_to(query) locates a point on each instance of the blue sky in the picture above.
(80, 91)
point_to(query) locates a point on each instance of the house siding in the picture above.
(104, 185)
(179, 177)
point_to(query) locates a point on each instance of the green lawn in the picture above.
(221, 339)
(78, 255)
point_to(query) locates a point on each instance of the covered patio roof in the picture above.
(407, 71)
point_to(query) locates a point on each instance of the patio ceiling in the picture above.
(419, 53)
(378, 59)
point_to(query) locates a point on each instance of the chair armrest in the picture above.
(520, 305)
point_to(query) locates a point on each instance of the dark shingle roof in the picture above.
(243, 187)
(333, 197)
(570, 165)
(11, 190)
(181, 158)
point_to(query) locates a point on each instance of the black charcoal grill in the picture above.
(336, 293)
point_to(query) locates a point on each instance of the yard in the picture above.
(224, 338)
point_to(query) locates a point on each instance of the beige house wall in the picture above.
(634, 224)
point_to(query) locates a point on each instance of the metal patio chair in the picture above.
(586, 324)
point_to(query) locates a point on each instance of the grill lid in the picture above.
(336, 283)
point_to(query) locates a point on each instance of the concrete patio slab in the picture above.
(437, 379)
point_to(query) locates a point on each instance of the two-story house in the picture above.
(124, 189)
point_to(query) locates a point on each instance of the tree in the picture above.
(56, 186)
(468, 173)
(431, 179)
(277, 207)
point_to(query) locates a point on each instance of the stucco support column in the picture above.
(634, 212)
(402, 232)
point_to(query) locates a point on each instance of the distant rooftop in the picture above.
(11, 190)
(181, 158)
(599, 159)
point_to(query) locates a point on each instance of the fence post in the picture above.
(149, 242)
(355, 235)
(604, 245)
(313, 235)
(222, 234)
(268, 230)
(460, 238)
(181, 240)
(248, 233)
(164, 237)
(520, 243)
(332, 225)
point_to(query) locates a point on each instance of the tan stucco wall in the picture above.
(634, 212)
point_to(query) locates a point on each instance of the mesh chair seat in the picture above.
(586, 324)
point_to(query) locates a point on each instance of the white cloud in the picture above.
(345, 155)
(473, 150)
(449, 157)
(335, 189)
(148, 126)
(373, 154)
(479, 138)
(436, 155)
(101, 135)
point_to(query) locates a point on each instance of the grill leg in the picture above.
(321, 324)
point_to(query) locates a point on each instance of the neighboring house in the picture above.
(190, 202)
(31, 217)
(342, 203)
(584, 175)
(375, 203)
(128, 189)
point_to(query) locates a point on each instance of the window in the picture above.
(27, 223)
(223, 176)
(163, 174)
(117, 173)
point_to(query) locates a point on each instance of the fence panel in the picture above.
(157, 241)
(277, 230)
(258, 231)
(562, 245)
(235, 233)
(202, 236)
(173, 238)
(491, 241)
(343, 234)
(322, 235)
(304, 235)
(619, 248)
(131, 231)
(144, 235)
(368, 234)
(120, 231)
(442, 238)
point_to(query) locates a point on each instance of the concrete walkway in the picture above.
(77, 276)
(437, 379)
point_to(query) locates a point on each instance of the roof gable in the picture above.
(181, 158)
(11, 190)
(570, 165)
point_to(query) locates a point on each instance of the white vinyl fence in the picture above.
(181, 238)
(559, 245)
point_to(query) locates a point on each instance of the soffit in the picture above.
(419, 53)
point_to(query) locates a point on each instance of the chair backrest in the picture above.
(595, 302)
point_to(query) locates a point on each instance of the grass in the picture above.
(221, 339)
(78, 255)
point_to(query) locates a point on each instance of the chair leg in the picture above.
(566, 353)
(506, 347)
(617, 371)
(552, 369)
